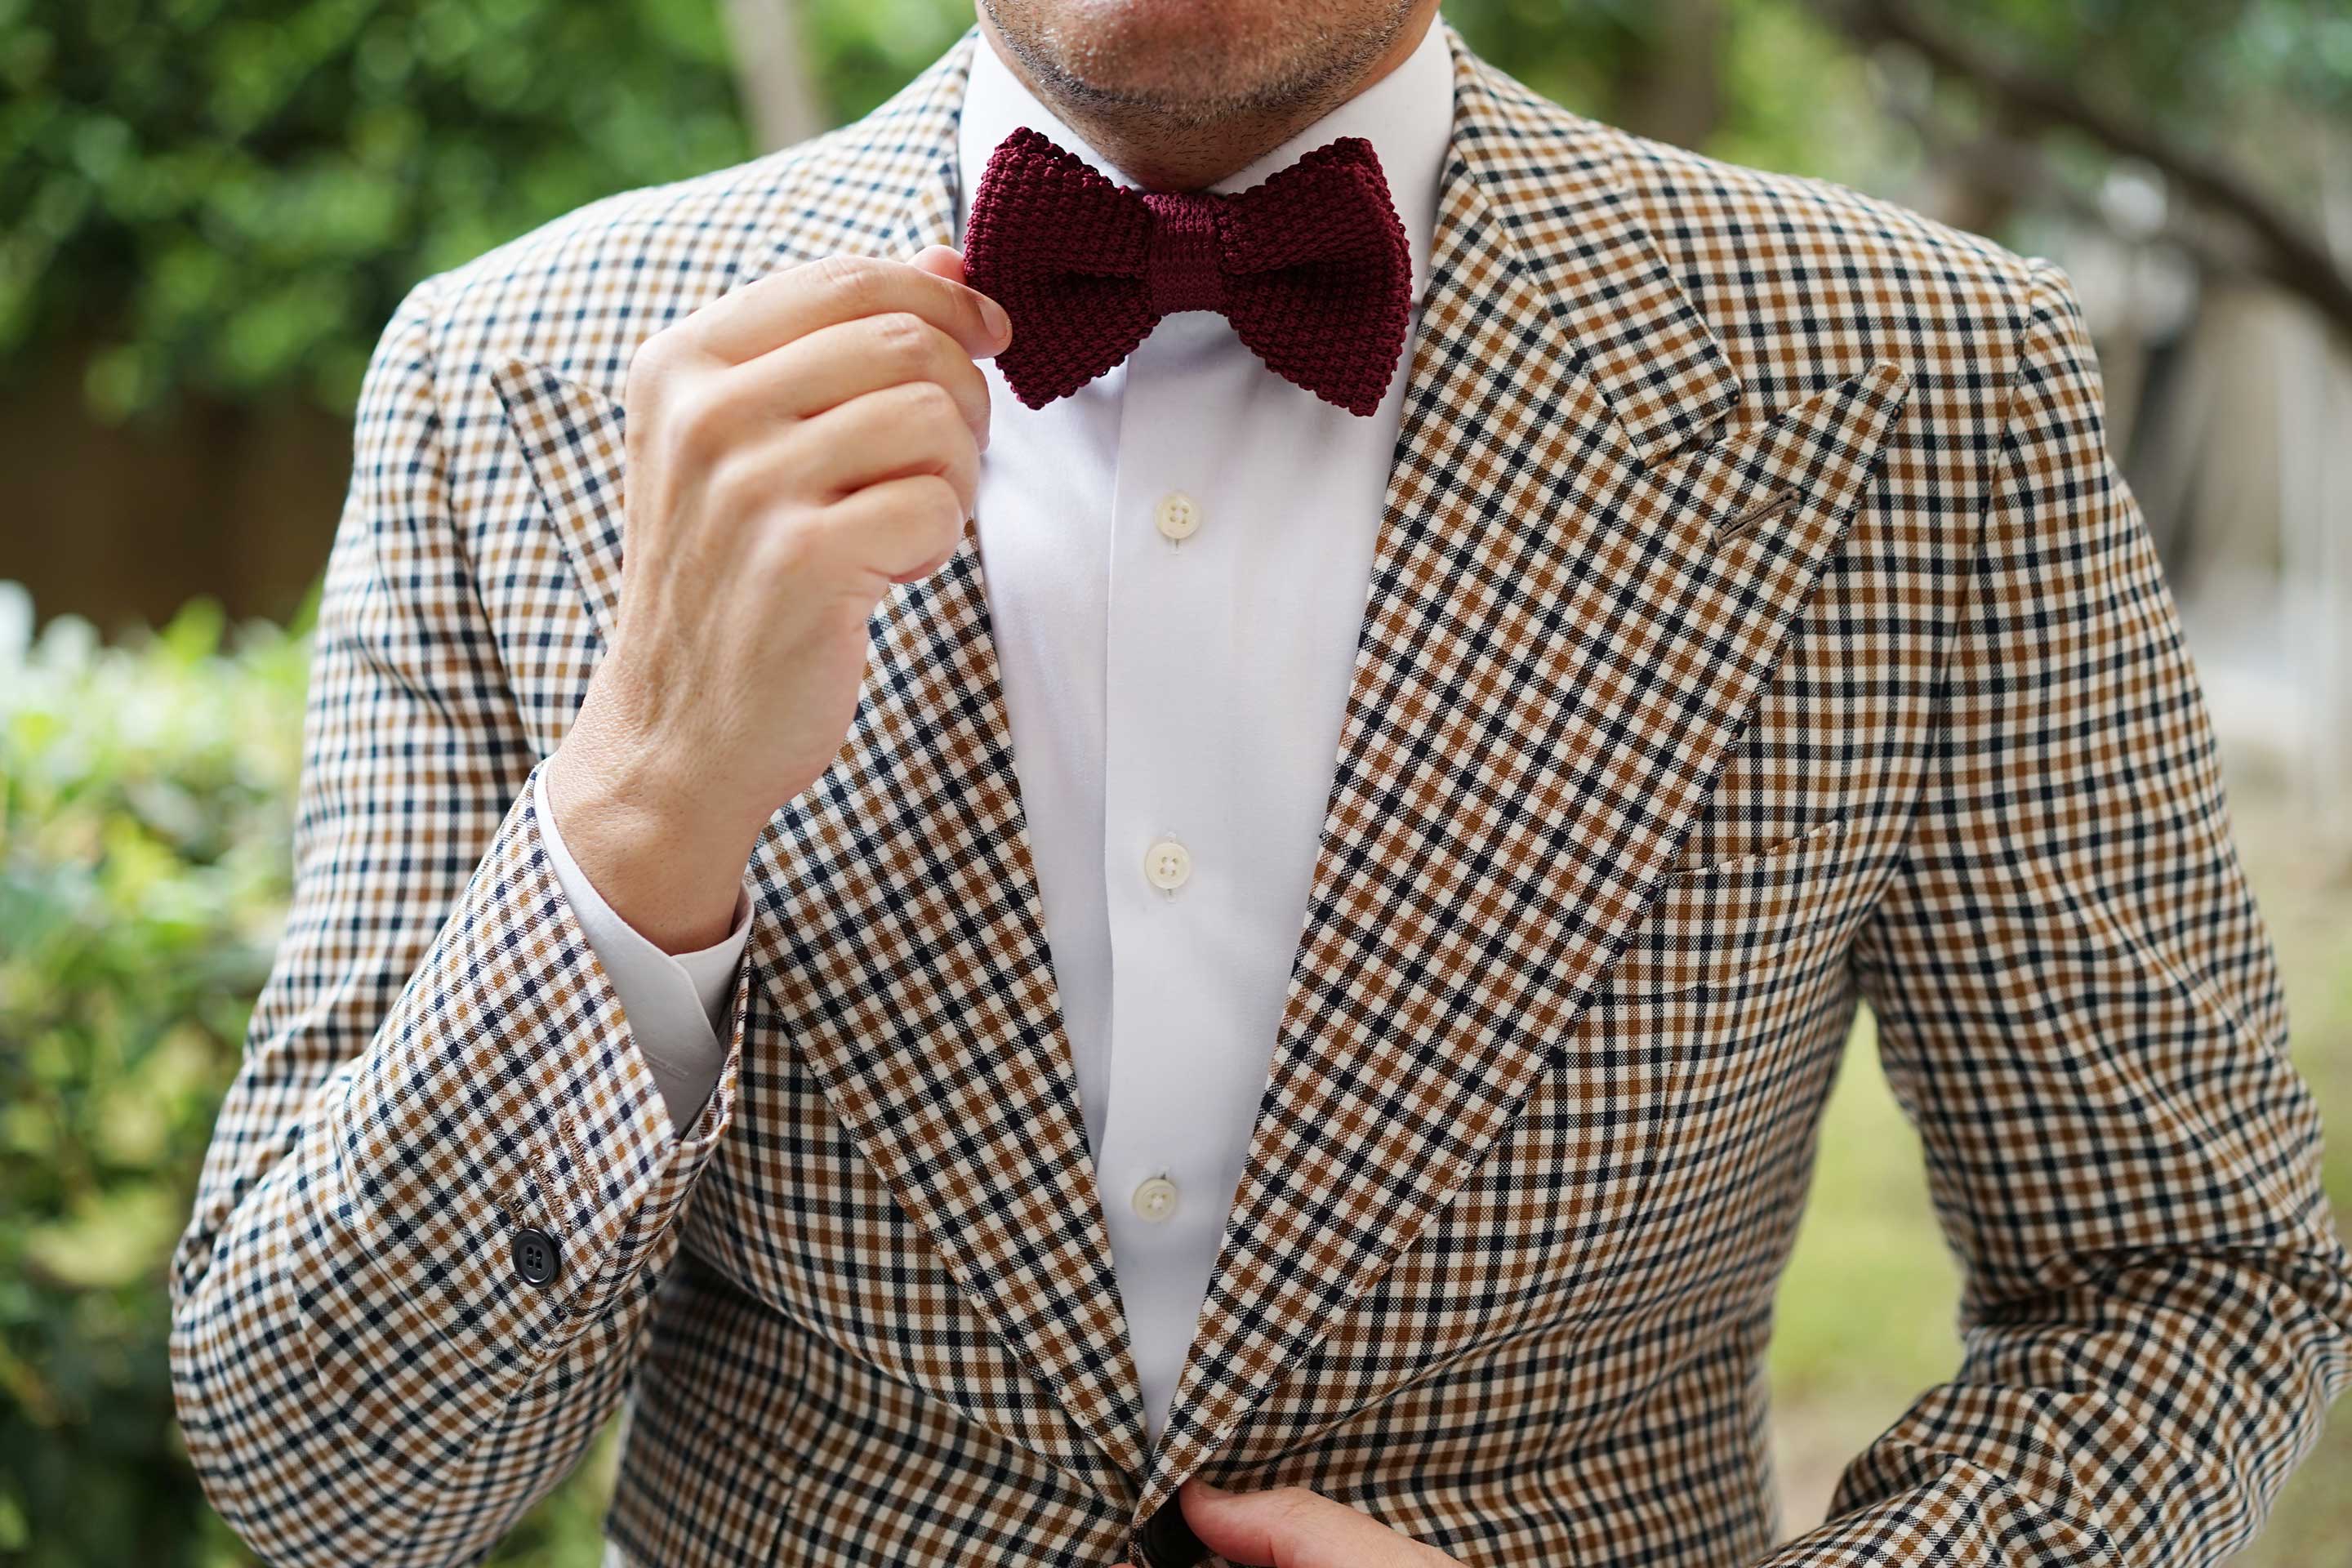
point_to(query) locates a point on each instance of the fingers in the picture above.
(1291, 1526)
(797, 300)
(912, 427)
(945, 260)
(830, 415)
(835, 364)
(902, 528)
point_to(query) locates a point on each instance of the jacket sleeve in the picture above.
(364, 1371)
(2080, 1011)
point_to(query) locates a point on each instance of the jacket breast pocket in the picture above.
(1733, 921)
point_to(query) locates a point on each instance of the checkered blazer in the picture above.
(1758, 624)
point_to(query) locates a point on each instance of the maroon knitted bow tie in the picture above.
(1309, 265)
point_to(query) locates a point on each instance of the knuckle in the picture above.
(736, 486)
(929, 511)
(902, 336)
(851, 279)
(947, 503)
(694, 415)
(663, 347)
(652, 366)
(933, 402)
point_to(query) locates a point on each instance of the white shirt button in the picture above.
(1167, 864)
(1155, 1199)
(1178, 515)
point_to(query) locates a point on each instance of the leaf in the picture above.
(117, 1240)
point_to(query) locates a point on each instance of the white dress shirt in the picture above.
(1176, 559)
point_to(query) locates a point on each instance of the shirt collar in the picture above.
(1407, 116)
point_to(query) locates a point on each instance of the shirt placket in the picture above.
(1167, 867)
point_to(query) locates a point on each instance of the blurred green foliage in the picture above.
(144, 802)
(231, 196)
(146, 799)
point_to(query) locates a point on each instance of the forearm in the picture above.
(363, 1313)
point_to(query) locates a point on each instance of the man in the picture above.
(1199, 902)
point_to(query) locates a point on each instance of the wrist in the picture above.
(675, 876)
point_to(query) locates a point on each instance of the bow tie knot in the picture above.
(1310, 266)
(1185, 265)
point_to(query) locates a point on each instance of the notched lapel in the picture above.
(571, 439)
(1806, 459)
(1558, 651)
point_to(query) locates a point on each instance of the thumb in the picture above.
(944, 261)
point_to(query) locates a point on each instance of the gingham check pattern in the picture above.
(1757, 623)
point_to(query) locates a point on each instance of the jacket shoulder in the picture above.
(1803, 282)
(1776, 211)
(1787, 267)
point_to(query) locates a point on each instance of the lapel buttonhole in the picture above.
(1772, 506)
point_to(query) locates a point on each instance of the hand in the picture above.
(1291, 1526)
(794, 449)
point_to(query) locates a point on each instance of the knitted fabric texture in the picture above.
(1311, 266)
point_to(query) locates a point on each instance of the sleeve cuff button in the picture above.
(535, 1256)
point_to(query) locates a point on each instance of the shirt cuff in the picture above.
(675, 1002)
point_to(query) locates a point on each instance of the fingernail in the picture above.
(1000, 325)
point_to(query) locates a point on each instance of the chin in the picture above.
(1166, 53)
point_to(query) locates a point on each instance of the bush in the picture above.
(146, 811)
(232, 197)
(145, 796)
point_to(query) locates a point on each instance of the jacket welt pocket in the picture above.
(1731, 920)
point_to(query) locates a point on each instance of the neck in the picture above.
(1162, 151)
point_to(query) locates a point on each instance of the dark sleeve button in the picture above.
(536, 1255)
(1167, 1541)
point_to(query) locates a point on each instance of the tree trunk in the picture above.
(771, 69)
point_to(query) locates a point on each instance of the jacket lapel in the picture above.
(1579, 589)
(899, 938)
